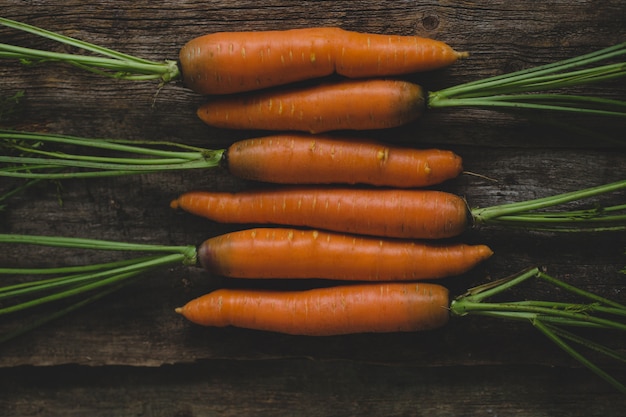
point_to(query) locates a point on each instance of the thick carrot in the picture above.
(268, 253)
(347, 105)
(415, 214)
(229, 62)
(363, 308)
(305, 159)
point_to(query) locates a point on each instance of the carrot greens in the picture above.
(104, 61)
(512, 89)
(549, 317)
(33, 161)
(531, 214)
(64, 282)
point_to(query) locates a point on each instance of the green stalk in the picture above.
(548, 331)
(136, 157)
(519, 89)
(526, 214)
(107, 62)
(61, 312)
(550, 317)
(81, 280)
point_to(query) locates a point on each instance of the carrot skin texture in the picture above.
(271, 253)
(306, 159)
(362, 308)
(411, 214)
(346, 105)
(231, 62)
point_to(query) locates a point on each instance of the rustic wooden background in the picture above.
(131, 355)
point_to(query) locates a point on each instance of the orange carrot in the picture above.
(268, 253)
(363, 308)
(305, 159)
(348, 105)
(229, 62)
(415, 214)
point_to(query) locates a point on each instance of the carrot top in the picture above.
(106, 61)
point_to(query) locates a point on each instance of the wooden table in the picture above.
(131, 355)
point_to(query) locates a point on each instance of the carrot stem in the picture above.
(110, 63)
(524, 214)
(553, 334)
(506, 90)
(147, 157)
(61, 312)
(549, 317)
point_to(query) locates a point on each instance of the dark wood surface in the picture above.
(131, 355)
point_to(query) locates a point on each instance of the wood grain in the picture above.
(130, 354)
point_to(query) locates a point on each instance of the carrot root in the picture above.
(351, 105)
(271, 253)
(362, 308)
(412, 214)
(309, 159)
(231, 62)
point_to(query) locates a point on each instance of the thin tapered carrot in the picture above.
(306, 159)
(229, 62)
(362, 308)
(416, 214)
(347, 105)
(291, 253)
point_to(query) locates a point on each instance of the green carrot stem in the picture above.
(64, 269)
(578, 291)
(43, 164)
(87, 275)
(547, 330)
(504, 91)
(589, 344)
(514, 213)
(104, 278)
(503, 80)
(68, 293)
(110, 144)
(122, 65)
(119, 165)
(47, 318)
(549, 317)
(189, 252)
(549, 313)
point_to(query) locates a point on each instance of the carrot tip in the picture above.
(179, 310)
(463, 54)
(174, 204)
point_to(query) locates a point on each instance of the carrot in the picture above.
(230, 62)
(382, 103)
(283, 159)
(291, 253)
(348, 105)
(362, 308)
(414, 214)
(304, 159)
(406, 307)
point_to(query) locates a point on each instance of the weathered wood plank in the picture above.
(303, 387)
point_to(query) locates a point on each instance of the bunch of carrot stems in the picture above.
(28, 156)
